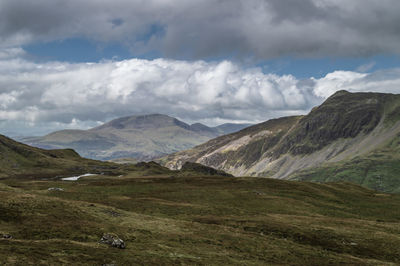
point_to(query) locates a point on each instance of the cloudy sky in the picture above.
(75, 64)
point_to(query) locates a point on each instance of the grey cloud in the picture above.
(198, 29)
(296, 11)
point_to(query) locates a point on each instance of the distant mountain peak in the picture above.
(142, 137)
(199, 126)
(142, 122)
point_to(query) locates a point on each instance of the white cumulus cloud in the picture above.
(56, 95)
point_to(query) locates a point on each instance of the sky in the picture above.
(77, 64)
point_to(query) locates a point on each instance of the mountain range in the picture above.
(141, 137)
(351, 136)
(194, 215)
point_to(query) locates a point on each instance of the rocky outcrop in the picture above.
(6, 236)
(112, 240)
(55, 189)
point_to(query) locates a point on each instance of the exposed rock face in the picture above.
(346, 125)
(343, 115)
(112, 240)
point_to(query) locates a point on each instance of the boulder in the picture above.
(6, 236)
(55, 189)
(112, 240)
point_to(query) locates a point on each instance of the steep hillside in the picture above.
(20, 160)
(378, 169)
(237, 149)
(345, 126)
(140, 137)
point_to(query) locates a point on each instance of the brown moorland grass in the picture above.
(199, 220)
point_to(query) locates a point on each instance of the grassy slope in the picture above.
(197, 220)
(17, 159)
(378, 170)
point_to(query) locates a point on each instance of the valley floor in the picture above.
(197, 220)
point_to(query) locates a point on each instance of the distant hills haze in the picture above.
(142, 137)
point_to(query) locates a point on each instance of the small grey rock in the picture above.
(55, 189)
(112, 240)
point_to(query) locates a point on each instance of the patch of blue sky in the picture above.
(76, 50)
(319, 67)
(83, 50)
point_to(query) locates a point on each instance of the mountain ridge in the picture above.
(142, 137)
(345, 126)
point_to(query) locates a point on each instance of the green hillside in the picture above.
(379, 170)
(20, 160)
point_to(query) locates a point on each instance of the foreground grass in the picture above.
(197, 220)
